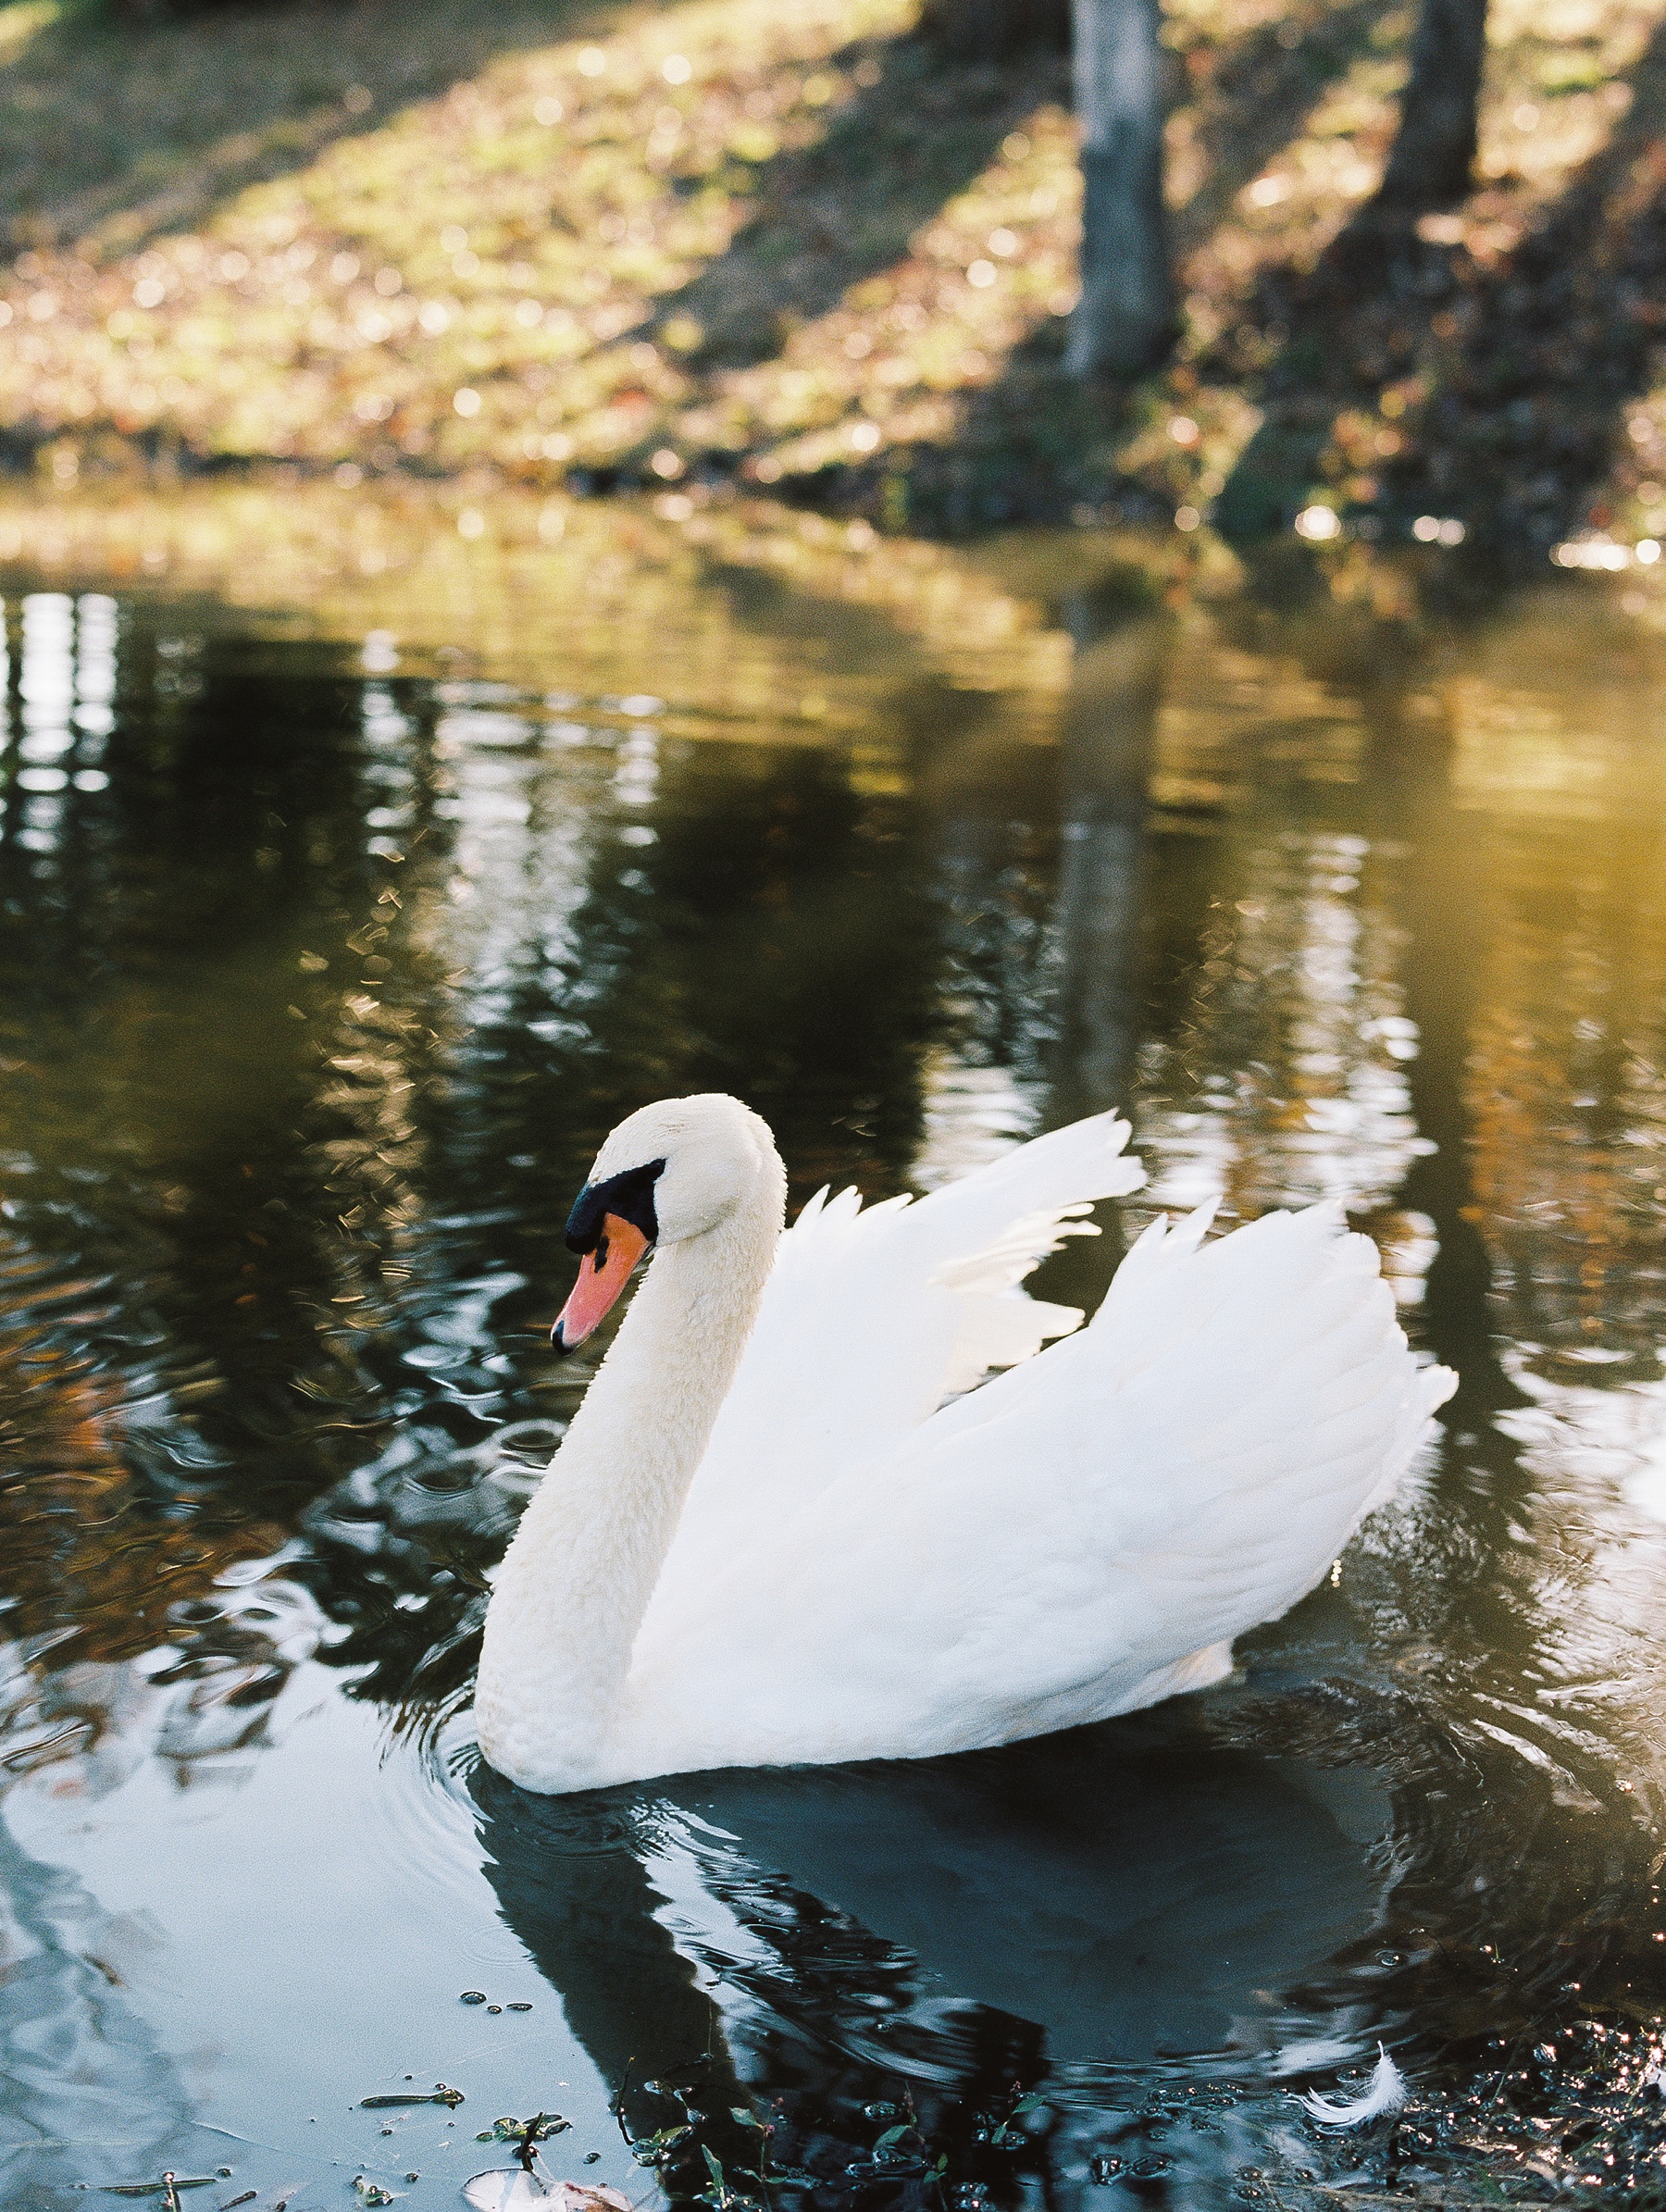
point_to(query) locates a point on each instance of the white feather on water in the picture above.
(1386, 2092)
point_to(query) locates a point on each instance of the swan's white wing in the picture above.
(1066, 1542)
(872, 1317)
(1211, 1443)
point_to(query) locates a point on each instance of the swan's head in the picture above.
(674, 1170)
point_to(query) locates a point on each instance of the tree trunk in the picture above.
(1124, 321)
(1436, 143)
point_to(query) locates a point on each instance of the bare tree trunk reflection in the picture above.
(1109, 727)
(1411, 767)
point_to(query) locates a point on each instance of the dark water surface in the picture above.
(337, 928)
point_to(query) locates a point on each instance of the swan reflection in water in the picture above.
(1117, 1894)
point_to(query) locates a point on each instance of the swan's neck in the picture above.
(575, 1581)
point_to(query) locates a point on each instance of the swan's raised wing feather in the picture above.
(873, 1316)
(1213, 1441)
(1080, 1536)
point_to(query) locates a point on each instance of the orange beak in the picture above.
(602, 1275)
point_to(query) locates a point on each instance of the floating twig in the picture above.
(167, 2188)
(617, 2103)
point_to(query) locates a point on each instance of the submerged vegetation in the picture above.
(725, 242)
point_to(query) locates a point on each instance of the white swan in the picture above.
(767, 1539)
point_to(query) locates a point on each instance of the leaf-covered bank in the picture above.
(727, 243)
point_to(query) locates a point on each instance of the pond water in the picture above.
(358, 868)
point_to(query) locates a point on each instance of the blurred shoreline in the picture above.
(723, 248)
